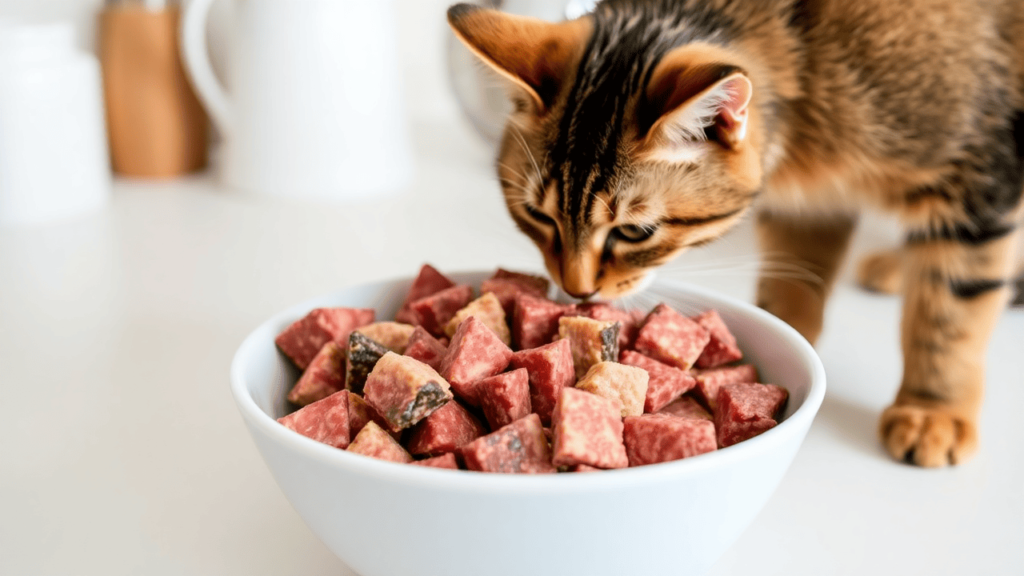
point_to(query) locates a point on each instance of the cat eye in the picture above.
(634, 233)
(538, 215)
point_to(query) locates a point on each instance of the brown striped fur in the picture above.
(819, 109)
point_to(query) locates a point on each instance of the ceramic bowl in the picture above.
(386, 519)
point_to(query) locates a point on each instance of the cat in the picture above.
(648, 127)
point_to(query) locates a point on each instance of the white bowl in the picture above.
(385, 519)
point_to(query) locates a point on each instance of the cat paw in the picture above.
(927, 436)
(881, 272)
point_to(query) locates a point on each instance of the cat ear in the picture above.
(535, 54)
(684, 103)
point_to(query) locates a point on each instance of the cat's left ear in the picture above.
(687, 105)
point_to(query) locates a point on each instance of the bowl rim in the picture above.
(796, 424)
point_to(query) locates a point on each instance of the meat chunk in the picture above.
(709, 381)
(433, 312)
(425, 348)
(535, 321)
(428, 281)
(363, 354)
(625, 385)
(550, 369)
(588, 430)
(445, 430)
(670, 337)
(393, 335)
(442, 461)
(486, 309)
(359, 413)
(629, 321)
(518, 448)
(666, 382)
(373, 441)
(325, 420)
(507, 285)
(654, 438)
(475, 353)
(591, 341)
(685, 407)
(404, 391)
(304, 338)
(324, 376)
(743, 411)
(721, 348)
(504, 398)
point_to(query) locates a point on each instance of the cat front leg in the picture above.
(801, 255)
(956, 285)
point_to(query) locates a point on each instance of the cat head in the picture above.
(624, 147)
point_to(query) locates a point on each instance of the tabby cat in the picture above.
(648, 127)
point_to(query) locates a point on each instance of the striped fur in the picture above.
(913, 107)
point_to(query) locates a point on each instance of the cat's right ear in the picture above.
(535, 54)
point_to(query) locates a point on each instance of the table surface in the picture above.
(121, 451)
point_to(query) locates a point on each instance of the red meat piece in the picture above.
(475, 353)
(434, 311)
(325, 420)
(666, 382)
(743, 411)
(722, 348)
(304, 338)
(710, 380)
(670, 337)
(445, 430)
(654, 438)
(519, 448)
(428, 281)
(504, 398)
(442, 461)
(535, 321)
(588, 430)
(359, 413)
(373, 441)
(425, 348)
(324, 376)
(550, 369)
(404, 391)
(507, 285)
(686, 407)
(628, 320)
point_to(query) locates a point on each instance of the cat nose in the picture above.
(581, 296)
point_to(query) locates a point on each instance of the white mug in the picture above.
(314, 106)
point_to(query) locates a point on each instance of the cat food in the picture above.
(582, 388)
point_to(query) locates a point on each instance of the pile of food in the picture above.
(514, 382)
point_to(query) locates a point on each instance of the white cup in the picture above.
(53, 141)
(314, 106)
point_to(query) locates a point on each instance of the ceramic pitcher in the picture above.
(313, 105)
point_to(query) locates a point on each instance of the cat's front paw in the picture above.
(927, 436)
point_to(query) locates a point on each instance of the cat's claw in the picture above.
(927, 436)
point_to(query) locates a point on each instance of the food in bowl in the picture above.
(525, 384)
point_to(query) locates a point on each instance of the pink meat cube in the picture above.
(445, 430)
(428, 281)
(324, 376)
(592, 341)
(434, 311)
(507, 285)
(442, 461)
(325, 420)
(519, 448)
(304, 338)
(710, 380)
(666, 382)
(486, 309)
(622, 384)
(743, 411)
(588, 430)
(535, 321)
(504, 398)
(722, 348)
(404, 391)
(425, 348)
(475, 353)
(654, 438)
(670, 337)
(359, 413)
(373, 441)
(685, 407)
(628, 320)
(550, 369)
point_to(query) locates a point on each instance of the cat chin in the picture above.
(640, 285)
